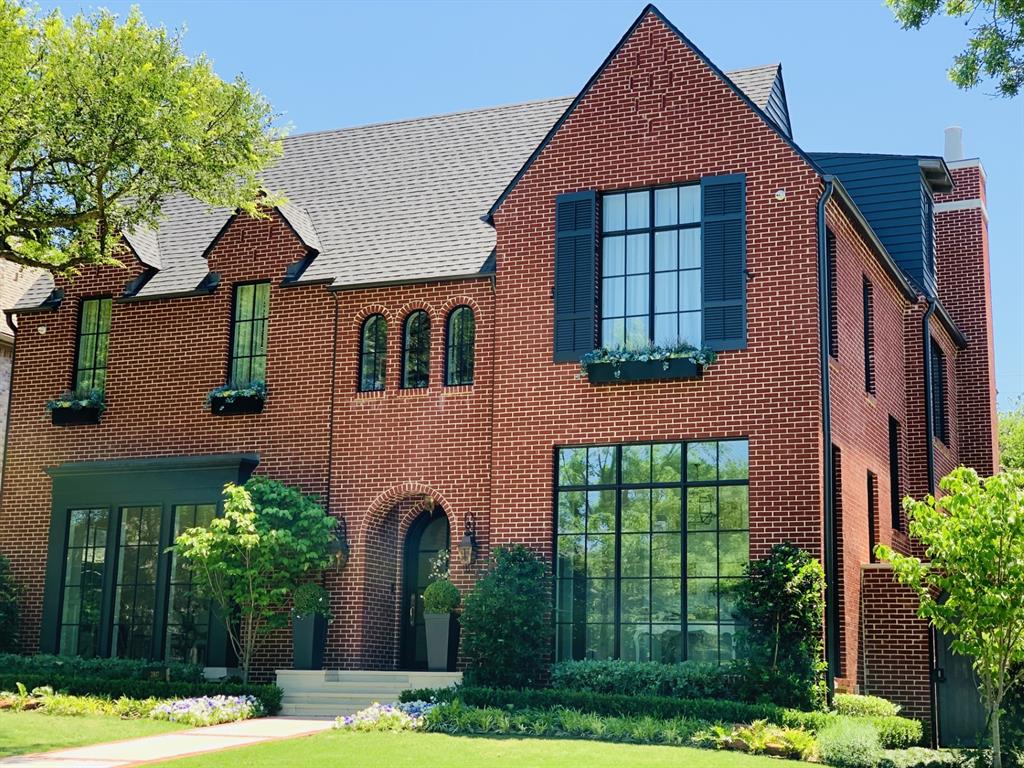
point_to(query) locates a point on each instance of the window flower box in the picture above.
(680, 362)
(72, 409)
(237, 400)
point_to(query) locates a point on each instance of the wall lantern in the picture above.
(467, 544)
(339, 545)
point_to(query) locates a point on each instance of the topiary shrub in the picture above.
(441, 596)
(506, 627)
(10, 617)
(864, 706)
(850, 743)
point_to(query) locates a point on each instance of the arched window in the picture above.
(373, 353)
(461, 340)
(416, 359)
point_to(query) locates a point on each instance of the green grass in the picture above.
(24, 732)
(409, 750)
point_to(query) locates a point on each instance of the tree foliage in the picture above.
(996, 46)
(971, 586)
(270, 539)
(506, 622)
(101, 121)
(1011, 437)
(10, 615)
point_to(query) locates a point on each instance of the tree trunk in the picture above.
(997, 747)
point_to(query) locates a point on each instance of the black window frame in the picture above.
(379, 356)
(94, 338)
(868, 307)
(833, 294)
(252, 354)
(895, 491)
(939, 414)
(872, 512)
(459, 373)
(420, 366)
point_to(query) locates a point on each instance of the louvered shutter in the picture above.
(575, 257)
(724, 255)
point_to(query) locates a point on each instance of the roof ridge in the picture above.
(773, 64)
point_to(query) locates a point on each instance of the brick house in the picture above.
(418, 309)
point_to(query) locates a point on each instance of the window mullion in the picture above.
(617, 617)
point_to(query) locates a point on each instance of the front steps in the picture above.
(333, 692)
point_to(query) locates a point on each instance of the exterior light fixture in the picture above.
(780, 195)
(467, 544)
(340, 550)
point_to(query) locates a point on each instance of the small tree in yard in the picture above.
(972, 585)
(248, 562)
(506, 626)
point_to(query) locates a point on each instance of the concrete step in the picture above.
(316, 710)
(329, 693)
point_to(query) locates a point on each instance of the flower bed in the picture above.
(208, 710)
(402, 716)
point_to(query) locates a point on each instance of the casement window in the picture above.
(416, 351)
(895, 490)
(249, 334)
(869, 336)
(82, 601)
(940, 427)
(188, 616)
(93, 343)
(373, 352)
(833, 294)
(460, 345)
(649, 540)
(872, 490)
(662, 266)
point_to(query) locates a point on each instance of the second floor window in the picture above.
(373, 351)
(651, 267)
(416, 353)
(938, 392)
(93, 340)
(460, 342)
(249, 334)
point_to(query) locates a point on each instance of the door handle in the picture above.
(412, 611)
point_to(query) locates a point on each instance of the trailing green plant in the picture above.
(441, 596)
(647, 353)
(43, 665)
(93, 398)
(850, 743)
(506, 627)
(248, 562)
(759, 738)
(10, 616)
(859, 706)
(231, 392)
(311, 599)
(782, 605)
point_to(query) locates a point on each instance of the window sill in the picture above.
(238, 406)
(639, 370)
(73, 417)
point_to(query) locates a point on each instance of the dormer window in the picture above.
(249, 334)
(93, 341)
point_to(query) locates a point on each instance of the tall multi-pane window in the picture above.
(938, 393)
(895, 491)
(460, 342)
(249, 334)
(82, 595)
(833, 294)
(651, 267)
(373, 353)
(872, 514)
(650, 541)
(188, 616)
(416, 351)
(869, 336)
(135, 587)
(93, 339)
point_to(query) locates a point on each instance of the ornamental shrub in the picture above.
(920, 757)
(506, 627)
(311, 599)
(441, 596)
(10, 593)
(860, 706)
(850, 743)
(46, 665)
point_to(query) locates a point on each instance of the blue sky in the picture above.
(855, 80)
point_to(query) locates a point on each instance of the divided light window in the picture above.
(461, 340)
(895, 492)
(249, 334)
(649, 540)
(416, 359)
(940, 426)
(869, 337)
(373, 353)
(93, 339)
(651, 267)
(833, 294)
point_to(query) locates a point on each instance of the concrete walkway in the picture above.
(149, 749)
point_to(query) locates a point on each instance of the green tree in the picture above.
(248, 562)
(1011, 437)
(971, 585)
(101, 121)
(996, 46)
(10, 616)
(506, 620)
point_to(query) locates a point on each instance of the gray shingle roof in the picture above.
(397, 201)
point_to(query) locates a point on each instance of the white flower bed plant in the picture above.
(208, 710)
(407, 716)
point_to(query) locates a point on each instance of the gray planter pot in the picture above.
(309, 636)
(439, 633)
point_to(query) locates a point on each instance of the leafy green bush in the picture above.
(441, 596)
(10, 617)
(506, 627)
(896, 732)
(850, 743)
(760, 738)
(920, 757)
(861, 706)
(311, 599)
(269, 695)
(45, 665)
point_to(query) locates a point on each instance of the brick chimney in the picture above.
(962, 256)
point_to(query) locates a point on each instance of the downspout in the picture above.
(830, 555)
(10, 399)
(929, 428)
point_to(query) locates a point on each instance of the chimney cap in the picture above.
(954, 149)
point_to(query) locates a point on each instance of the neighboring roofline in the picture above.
(206, 286)
(648, 9)
(936, 173)
(413, 281)
(50, 304)
(785, 101)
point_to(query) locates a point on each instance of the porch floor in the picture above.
(333, 692)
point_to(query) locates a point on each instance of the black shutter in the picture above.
(724, 254)
(575, 260)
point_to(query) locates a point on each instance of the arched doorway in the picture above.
(427, 536)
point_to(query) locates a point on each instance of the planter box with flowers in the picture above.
(73, 408)
(611, 366)
(233, 400)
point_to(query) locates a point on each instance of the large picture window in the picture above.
(82, 597)
(135, 589)
(93, 338)
(650, 539)
(188, 616)
(651, 267)
(249, 334)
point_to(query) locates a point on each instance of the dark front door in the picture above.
(426, 537)
(961, 713)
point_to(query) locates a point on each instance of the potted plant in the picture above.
(235, 399)
(310, 613)
(441, 599)
(76, 408)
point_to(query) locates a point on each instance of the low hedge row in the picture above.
(269, 695)
(894, 732)
(45, 665)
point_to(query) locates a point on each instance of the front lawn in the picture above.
(398, 750)
(24, 732)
